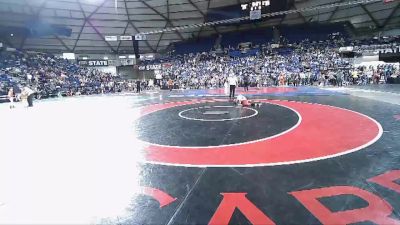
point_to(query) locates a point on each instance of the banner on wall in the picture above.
(346, 49)
(112, 63)
(387, 50)
(93, 62)
(125, 38)
(140, 37)
(150, 67)
(111, 38)
(127, 62)
(167, 65)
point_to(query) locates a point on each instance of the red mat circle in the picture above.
(324, 132)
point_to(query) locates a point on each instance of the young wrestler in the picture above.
(242, 100)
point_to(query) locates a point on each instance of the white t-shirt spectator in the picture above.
(370, 73)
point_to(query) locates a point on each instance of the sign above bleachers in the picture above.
(125, 38)
(111, 38)
(68, 55)
(150, 67)
(140, 37)
(346, 49)
(93, 62)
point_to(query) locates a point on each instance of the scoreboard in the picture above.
(254, 9)
(257, 5)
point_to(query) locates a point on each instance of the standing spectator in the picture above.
(170, 84)
(339, 79)
(296, 80)
(11, 98)
(302, 78)
(246, 82)
(29, 77)
(354, 75)
(376, 77)
(138, 86)
(226, 87)
(281, 79)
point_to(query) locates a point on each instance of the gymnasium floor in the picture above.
(306, 156)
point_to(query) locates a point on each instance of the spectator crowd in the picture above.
(50, 76)
(304, 63)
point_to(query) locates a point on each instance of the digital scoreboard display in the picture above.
(255, 9)
(257, 5)
(247, 9)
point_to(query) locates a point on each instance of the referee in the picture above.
(232, 81)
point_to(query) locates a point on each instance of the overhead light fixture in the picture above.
(132, 56)
(105, 58)
(122, 57)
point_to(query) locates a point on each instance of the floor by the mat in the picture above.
(304, 156)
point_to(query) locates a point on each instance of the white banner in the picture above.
(346, 49)
(125, 38)
(150, 67)
(68, 55)
(140, 37)
(111, 38)
(93, 62)
(127, 62)
(274, 45)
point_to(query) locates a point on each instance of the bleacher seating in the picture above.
(195, 46)
(313, 31)
(257, 37)
(239, 53)
(292, 33)
(52, 76)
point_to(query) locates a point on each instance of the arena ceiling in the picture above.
(91, 20)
